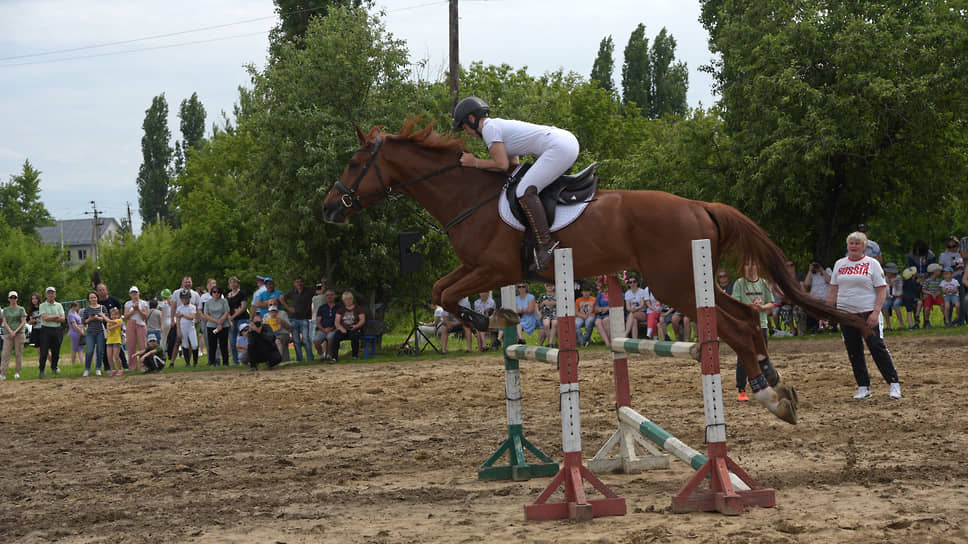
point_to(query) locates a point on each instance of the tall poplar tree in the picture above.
(604, 65)
(155, 171)
(636, 73)
(670, 79)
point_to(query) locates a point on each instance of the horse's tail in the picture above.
(740, 235)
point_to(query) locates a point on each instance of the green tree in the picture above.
(636, 71)
(839, 113)
(604, 65)
(670, 79)
(295, 15)
(191, 114)
(155, 171)
(27, 264)
(20, 204)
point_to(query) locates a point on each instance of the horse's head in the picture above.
(362, 182)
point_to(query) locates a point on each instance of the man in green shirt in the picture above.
(51, 319)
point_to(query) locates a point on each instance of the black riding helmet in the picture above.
(467, 106)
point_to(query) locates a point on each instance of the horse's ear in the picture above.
(359, 133)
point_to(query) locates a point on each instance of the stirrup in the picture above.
(538, 253)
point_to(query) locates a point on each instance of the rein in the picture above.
(351, 199)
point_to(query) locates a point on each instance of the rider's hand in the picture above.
(468, 159)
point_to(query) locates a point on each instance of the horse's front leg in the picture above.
(447, 281)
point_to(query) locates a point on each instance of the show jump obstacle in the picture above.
(576, 505)
(515, 444)
(730, 489)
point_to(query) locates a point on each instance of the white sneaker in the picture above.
(865, 393)
(98, 372)
(16, 375)
(895, 391)
(86, 373)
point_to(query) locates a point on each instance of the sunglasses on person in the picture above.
(522, 287)
(724, 276)
(633, 282)
(952, 246)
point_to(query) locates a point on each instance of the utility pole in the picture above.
(95, 230)
(454, 56)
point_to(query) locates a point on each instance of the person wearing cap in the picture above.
(135, 315)
(858, 286)
(895, 297)
(931, 293)
(260, 287)
(911, 296)
(281, 328)
(949, 294)
(873, 250)
(186, 313)
(164, 304)
(268, 297)
(14, 336)
(152, 358)
(177, 301)
(242, 343)
(51, 319)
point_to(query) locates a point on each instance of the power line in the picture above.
(181, 44)
(145, 38)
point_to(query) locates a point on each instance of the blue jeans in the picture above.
(233, 337)
(589, 325)
(94, 341)
(302, 335)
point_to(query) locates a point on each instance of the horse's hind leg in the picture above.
(739, 326)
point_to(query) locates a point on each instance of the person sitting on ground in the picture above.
(152, 358)
(584, 315)
(949, 294)
(931, 293)
(548, 306)
(262, 343)
(349, 322)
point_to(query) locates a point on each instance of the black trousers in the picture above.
(854, 342)
(354, 338)
(50, 341)
(219, 341)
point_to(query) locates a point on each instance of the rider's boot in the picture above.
(534, 211)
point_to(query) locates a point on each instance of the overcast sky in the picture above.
(77, 113)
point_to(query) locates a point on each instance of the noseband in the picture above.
(351, 199)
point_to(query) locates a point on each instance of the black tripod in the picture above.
(415, 332)
(411, 262)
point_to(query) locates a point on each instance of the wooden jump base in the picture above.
(573, 475)
(731, 490)
(515, 444)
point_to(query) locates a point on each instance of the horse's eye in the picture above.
(352, 165)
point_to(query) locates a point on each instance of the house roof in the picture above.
(77, 232)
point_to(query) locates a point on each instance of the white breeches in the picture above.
(187, 328)
(562, 150)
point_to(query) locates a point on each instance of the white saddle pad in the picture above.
(565, 214)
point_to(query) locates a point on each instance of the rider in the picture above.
(555, 150)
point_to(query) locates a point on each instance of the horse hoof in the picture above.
(789, 393)
(787, 411)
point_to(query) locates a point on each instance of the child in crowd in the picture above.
(75, 331)
(911, 296)
(114, 325)
(154, 319)
(931, 292)
(548, 306)
(665, 319)
(949, 294)
(602, 321)
(893, 301)
(584, 316)
(186, 326)
(152, 358)
(242, 343)
(752, 289)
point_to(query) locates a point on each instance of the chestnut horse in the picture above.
(648, 231)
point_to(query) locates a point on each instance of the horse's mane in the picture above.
(424, 137)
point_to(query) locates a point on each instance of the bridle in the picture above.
(351, 199)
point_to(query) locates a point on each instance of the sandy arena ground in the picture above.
(387, 453)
